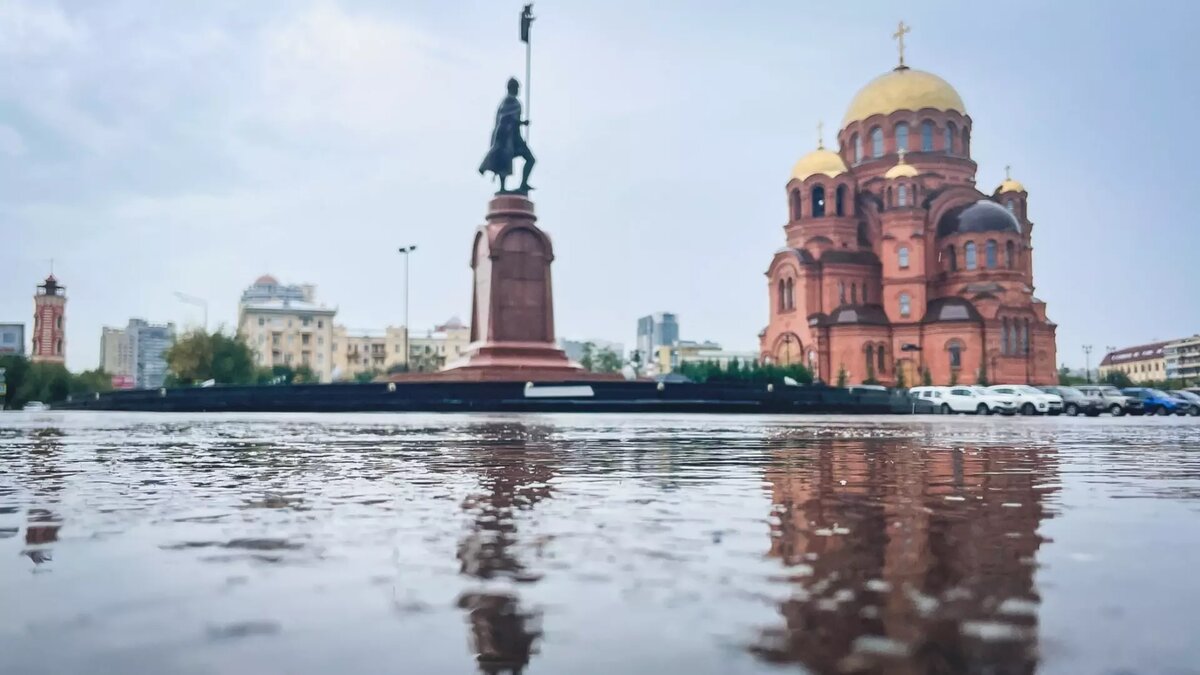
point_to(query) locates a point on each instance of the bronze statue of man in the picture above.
(507, 143)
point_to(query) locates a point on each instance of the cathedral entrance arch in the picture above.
(788, 350)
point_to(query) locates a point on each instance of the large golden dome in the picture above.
(903, 89)
(819, 161)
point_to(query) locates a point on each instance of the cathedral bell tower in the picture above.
(49, 322)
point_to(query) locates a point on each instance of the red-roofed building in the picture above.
(1143, 363)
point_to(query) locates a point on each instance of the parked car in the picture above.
(1076, 402)
(35, 406)
(1115, 402)
(998, 403)
(1191, 398)
(1156, 402)
(969, 399)
(1031, 401)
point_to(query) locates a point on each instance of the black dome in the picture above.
(984, 215)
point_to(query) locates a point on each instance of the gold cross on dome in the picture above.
(901, 31)
(1007, 172)
(820, 135)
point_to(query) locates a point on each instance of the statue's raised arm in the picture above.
(507, 143)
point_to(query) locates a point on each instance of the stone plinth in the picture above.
(512, 313)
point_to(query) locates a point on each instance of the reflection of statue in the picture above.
(502, 634)
(507, 143)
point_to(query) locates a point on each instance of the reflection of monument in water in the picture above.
(916, 561)
(514, 477)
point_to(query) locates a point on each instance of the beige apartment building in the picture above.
(356, 352)
(432, 350)
(1183, 360)
(284, 326)
(1143, 363)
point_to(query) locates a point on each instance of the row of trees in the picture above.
(47, 382)
(742, 371)
(199, 357)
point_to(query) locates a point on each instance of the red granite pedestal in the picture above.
(512, 312)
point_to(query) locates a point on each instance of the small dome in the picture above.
(819, 161)
(266, 280)
(1010, 185)
(903, 89)
(984, 215)
(901, 170)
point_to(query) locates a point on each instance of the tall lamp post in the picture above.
(405, 250)
(197, 302)
(1108, 349)
(1087, 363)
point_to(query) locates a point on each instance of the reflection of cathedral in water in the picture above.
(905, 559)
(514, 473)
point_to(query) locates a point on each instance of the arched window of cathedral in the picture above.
(791, 296)
(882, 365)
(926, 136)
(966, 142)
(890, 202)
(818, 201)
(1025, 337)
(951, 258)
(795, 204)
(870, 357)
(1009, 205)
(970, 253)
(905, 305)
(856, 141)
(877, 142)
(902, 257)
(853, 293)
(955, 348)
(782, 294)
(902, 136)
(1009, 259)
(948, 141)
(902, 195)
(989, 254)
(841, 292)
(1004, 336)
(864, 294)
(839, 200)
(1014, 337)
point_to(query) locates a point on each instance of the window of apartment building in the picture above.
(320, 340)
(306, 322)
(275, 337)
(289, 323)
(262, 321)
(305, 339)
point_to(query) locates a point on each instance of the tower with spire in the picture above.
(49, 322)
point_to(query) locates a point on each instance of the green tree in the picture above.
(199, 356)
(711, 371)
(870, 378)
(90, 381)
(1118, 379)
(953, 377)
(982, 377)
(587, 360)
(607, 361)
(900, 383)
(926, 377)
(366, 376)
(842, 376)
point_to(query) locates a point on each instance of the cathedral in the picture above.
(897, 268)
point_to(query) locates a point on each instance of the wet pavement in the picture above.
(141, 543)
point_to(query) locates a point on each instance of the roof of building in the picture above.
(983, 215)
(266, 280)
(950, 309)
(1010, 185)
(903, 89)
(1153, 350)
(852, 314)
(818, 161)
(288, 306)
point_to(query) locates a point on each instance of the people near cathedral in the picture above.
(896, 268)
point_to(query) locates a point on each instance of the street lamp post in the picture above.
(405, 250)
(198, 302)
(1087, 363)
(1108, 349)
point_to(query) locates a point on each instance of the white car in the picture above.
(1030, 401)
(970, 399)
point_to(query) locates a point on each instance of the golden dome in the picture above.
(901, 170)
(1010, 185)
(819, 161)
(903, 89)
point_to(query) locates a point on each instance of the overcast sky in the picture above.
(151, 147)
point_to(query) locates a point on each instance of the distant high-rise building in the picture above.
(49, 322)
(136, 355)
(12, 339)
(656, 330)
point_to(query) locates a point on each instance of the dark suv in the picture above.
(1114, 401)
(1076, 402)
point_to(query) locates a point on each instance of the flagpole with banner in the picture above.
(526, 22)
